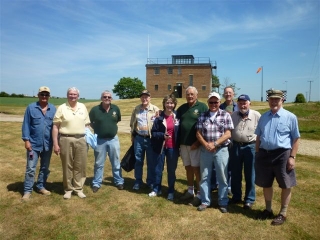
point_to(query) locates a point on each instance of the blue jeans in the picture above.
(142, 146)
(220, 161)
(31, 166)
(171, 156)
(112, 147)
(242, 157)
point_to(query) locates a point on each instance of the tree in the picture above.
(228, 84)
(4, 94)
(300, 98)
(128, 87)
(215, 83)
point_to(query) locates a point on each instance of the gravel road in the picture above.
(307, 147)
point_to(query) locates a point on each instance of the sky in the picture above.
(92, 44)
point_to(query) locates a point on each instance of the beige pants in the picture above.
(73, 154)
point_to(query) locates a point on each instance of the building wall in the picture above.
(202, 77)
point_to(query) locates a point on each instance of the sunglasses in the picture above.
(44, 95)
(107, 97)
(213, 102)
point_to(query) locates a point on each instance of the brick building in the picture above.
(164, 76)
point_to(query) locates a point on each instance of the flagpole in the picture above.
(261, 83)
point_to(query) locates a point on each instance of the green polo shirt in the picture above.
(188, 117)
(104, 123)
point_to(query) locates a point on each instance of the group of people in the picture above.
(216, 142)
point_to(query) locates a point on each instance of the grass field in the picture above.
(114, 214)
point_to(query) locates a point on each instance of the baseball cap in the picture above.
(146, 92)
(214, 94)
(273, 93)
(44, 89)
(244, 97)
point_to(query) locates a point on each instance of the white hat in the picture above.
(214, 94)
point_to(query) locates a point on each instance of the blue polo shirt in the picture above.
(277, 130)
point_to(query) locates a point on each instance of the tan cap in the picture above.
(272, 93)
(146, 92)
(44, 89)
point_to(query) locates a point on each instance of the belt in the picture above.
(72, 135)
(244, 143)
(272, 151)
(144, 136)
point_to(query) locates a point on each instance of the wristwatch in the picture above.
(215, 144)
(292, 157)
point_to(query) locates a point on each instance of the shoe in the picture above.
(152, 194)
(95, 189)
(26, 197)
(223, 209)
(44, 191)
(247, 205)
(234, 201)
(170, 196)
(120, 187)
(136, 187)
(67, 195)
(280, 219)
(195, 202)
(81, 195)
(265, 215)
(202, 207)
(187, 196)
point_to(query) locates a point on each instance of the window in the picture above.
(170, 70)
(169, 87)
(190, 80)
(179, 71)
(156, 87)
(156, 70)
(203, 87)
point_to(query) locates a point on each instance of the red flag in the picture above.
(259, 69)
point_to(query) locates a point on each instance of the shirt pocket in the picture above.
(35, 118)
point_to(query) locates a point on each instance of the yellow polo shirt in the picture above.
(72, 121)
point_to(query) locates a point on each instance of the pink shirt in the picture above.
(170, 130)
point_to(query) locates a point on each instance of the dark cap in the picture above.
(244, 97)
(272, 93)
(146, 92)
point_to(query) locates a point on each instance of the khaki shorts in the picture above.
(190, 157)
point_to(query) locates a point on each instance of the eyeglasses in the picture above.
(213, 102)
(107, 97)
(44, 95)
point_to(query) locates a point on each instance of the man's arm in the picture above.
(292, 159)
(257, 143)
(55, 134)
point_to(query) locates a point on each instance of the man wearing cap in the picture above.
(37, 137)
(188, 114)
(68, 133)
(104, 119)
(242, 153)
(141, 122)
(276, 148)
(213, 132)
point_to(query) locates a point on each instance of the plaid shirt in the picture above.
(213, 130)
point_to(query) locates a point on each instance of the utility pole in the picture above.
(310, 90)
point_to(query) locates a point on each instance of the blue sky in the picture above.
(93, 44)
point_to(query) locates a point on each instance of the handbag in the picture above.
(129, 160)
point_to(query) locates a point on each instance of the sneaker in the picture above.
(44, 191)
(280, 219)
(81, 195)
(120, 187)
(26, 197)
(152, 194)
(265, 215)
(223, 209)
(195, 202)
(95, 189)
(67, 195)
(170, 196)
(136, 187)
(187, 196)
(202, 207)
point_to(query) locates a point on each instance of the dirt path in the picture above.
(307, 147)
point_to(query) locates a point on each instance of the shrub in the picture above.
(300, 98)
